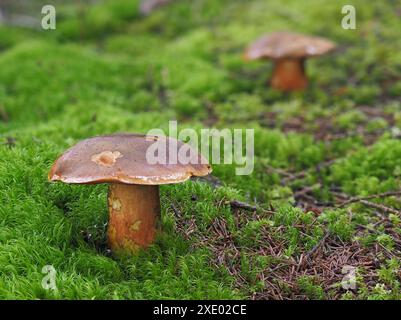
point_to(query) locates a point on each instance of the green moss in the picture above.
(106, 69)
(309, 286)
(339, 223)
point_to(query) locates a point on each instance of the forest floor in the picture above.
(323, 201)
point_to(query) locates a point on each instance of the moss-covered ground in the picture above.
(325, 192)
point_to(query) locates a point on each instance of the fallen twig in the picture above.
(242, 205)
(289, 177)
(176, 211)
(318, 245)
(247, 206)
(380, 207)
(373, 196)
(348, 199)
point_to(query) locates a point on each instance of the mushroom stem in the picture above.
(289, 75)
(134, 214)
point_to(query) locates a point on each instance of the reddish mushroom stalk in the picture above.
(134, 212)
(289, 75)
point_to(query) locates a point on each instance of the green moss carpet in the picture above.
(323, 194)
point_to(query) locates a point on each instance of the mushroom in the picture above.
(133, 199)
(288, 52)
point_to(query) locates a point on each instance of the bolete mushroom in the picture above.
(133, 200)
(288, 51)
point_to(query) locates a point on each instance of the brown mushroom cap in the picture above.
(122, 159)
(280, 45)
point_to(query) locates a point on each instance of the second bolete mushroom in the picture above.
(133, 200)
(288, 51)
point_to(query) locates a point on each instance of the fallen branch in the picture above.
(282, 172)
(313, 251)
(373, 196)
(176, 211)
(380, 207)
(211, 180)
(242, 205)
(350, 134)
(289, 177)
(247, 206)
(348, 199)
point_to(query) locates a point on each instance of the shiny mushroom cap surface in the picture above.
(282, 45)
(124, 158)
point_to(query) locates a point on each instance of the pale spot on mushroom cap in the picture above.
(106, 158)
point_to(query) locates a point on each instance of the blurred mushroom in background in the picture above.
(288, 51)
